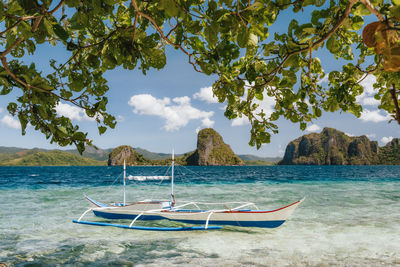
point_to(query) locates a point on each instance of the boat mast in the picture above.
(172, 180)
(124, 181)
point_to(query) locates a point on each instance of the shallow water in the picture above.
(351, 217)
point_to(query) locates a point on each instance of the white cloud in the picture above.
(367, 97)
(266, 106)
(368, 101)
(206, 122)
(177, 113)
(386, 140)
(373, 116)
(206, 94)
(10, 122)
(240, 121)
(349, 134)
(371, 135)
(198, 130)
(368, 84)
(313, 128)
(72, 112)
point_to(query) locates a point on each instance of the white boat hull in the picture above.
(245, 218)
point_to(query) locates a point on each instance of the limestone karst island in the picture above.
(330, 147)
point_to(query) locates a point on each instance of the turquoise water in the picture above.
(351, 217)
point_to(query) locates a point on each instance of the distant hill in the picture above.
(10, 150)
(8, 156)
(154, 155)
(92, 153)
(258, 158)
(333, 147)
(102, 154)
(49, 158)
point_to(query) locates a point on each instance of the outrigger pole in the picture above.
(124, 182)
(172, 180)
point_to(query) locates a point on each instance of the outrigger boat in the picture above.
(211, 219)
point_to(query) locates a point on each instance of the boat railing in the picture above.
(83, 214)
(196, 204)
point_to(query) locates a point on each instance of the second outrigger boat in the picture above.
(210, 219)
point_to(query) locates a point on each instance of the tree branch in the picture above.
(396, 103)
(165, 38)
(371, 8)
(320, 41)
(56, 8)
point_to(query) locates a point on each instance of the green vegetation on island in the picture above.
(211, 150)
(47, 158)
(333, 147)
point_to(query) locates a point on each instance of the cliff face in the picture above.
(333, 147)
(127, 153)
(390, 154)
(211, 150)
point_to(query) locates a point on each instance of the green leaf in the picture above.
(14, 8)
(23, 121)
(49, 27)
(60, 32)
(79, 136)
(158, 59)
(357, 22)
(259, 96)
(111, 2)
(211, 35)
(253, 40)
(102, 130)
(93, 61)
(73, 3)
(243, 37)
(170, 7)
(395, 11)
(332, 45)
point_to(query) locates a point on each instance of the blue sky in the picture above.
(164, 109)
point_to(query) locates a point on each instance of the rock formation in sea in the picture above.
(127, 153)
(333, 147)
(211, 150)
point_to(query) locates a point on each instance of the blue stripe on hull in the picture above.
(190, 228)
(262, 224)
(107, 215)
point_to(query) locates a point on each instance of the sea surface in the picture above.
(351, 217)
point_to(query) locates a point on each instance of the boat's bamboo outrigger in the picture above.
(168, 210)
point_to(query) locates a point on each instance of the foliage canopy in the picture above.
(226, 38)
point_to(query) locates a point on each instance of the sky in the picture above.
(165, 109)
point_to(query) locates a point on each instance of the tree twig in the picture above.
(396, 103)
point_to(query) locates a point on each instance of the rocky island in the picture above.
(333, 147)
(127, 153)
(211, 150)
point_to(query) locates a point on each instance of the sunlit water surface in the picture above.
(351, 217)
